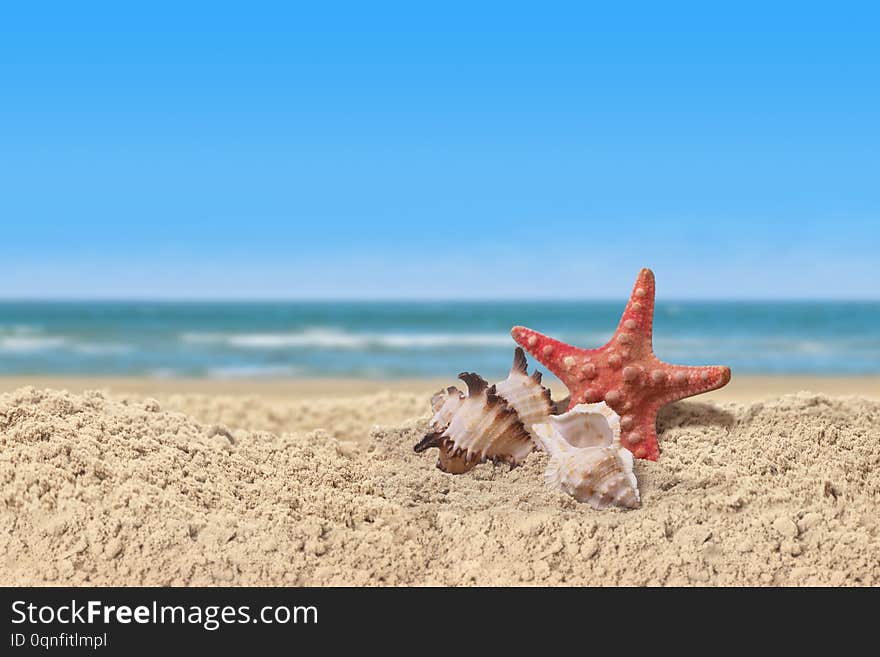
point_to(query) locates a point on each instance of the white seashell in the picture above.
(525, 394)
(490, 422)
(445, 405)
(587, 460)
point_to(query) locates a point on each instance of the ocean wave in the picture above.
(344, 340)
(334, 339)
(30, 344)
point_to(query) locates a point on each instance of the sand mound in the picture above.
(119, 491)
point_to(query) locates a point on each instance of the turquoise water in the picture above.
(414, 339)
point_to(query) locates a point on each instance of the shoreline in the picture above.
(741, 388)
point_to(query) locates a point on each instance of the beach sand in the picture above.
(147, 482)
(740, 388)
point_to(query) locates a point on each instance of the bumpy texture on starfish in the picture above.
(625, 373)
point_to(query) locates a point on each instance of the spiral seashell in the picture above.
(490, 422)
(525, 394)
(587, 460)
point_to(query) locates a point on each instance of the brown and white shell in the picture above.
(445, 404)
(587, 460)
(490, 422)
(525, 394)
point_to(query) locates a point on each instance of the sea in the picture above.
(388, 340)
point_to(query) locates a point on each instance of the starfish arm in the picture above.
(638, 316)
(551, 353)
(638, 433)
(684, 381)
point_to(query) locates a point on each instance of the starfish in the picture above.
(625, 373)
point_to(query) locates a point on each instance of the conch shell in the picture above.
(492, 423)
(587, 460)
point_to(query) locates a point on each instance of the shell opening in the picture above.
(583, 429)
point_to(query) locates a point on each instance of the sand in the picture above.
(194, 489)
(741, 388)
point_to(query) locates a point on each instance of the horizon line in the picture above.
(467, 300)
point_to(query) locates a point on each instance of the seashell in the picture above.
(445, 404)
(525, 394)
(490, 422)
(587, 460)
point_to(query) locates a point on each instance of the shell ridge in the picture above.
(474, 382)
(520, 364)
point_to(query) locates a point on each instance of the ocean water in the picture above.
(415, 339)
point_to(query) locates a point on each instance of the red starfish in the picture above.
(625, 372)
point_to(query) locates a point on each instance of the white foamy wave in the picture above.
(333, 339)
(27, 344)
(30, 344)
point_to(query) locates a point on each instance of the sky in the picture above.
(439, 150)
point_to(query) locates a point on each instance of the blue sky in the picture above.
(389, 150)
